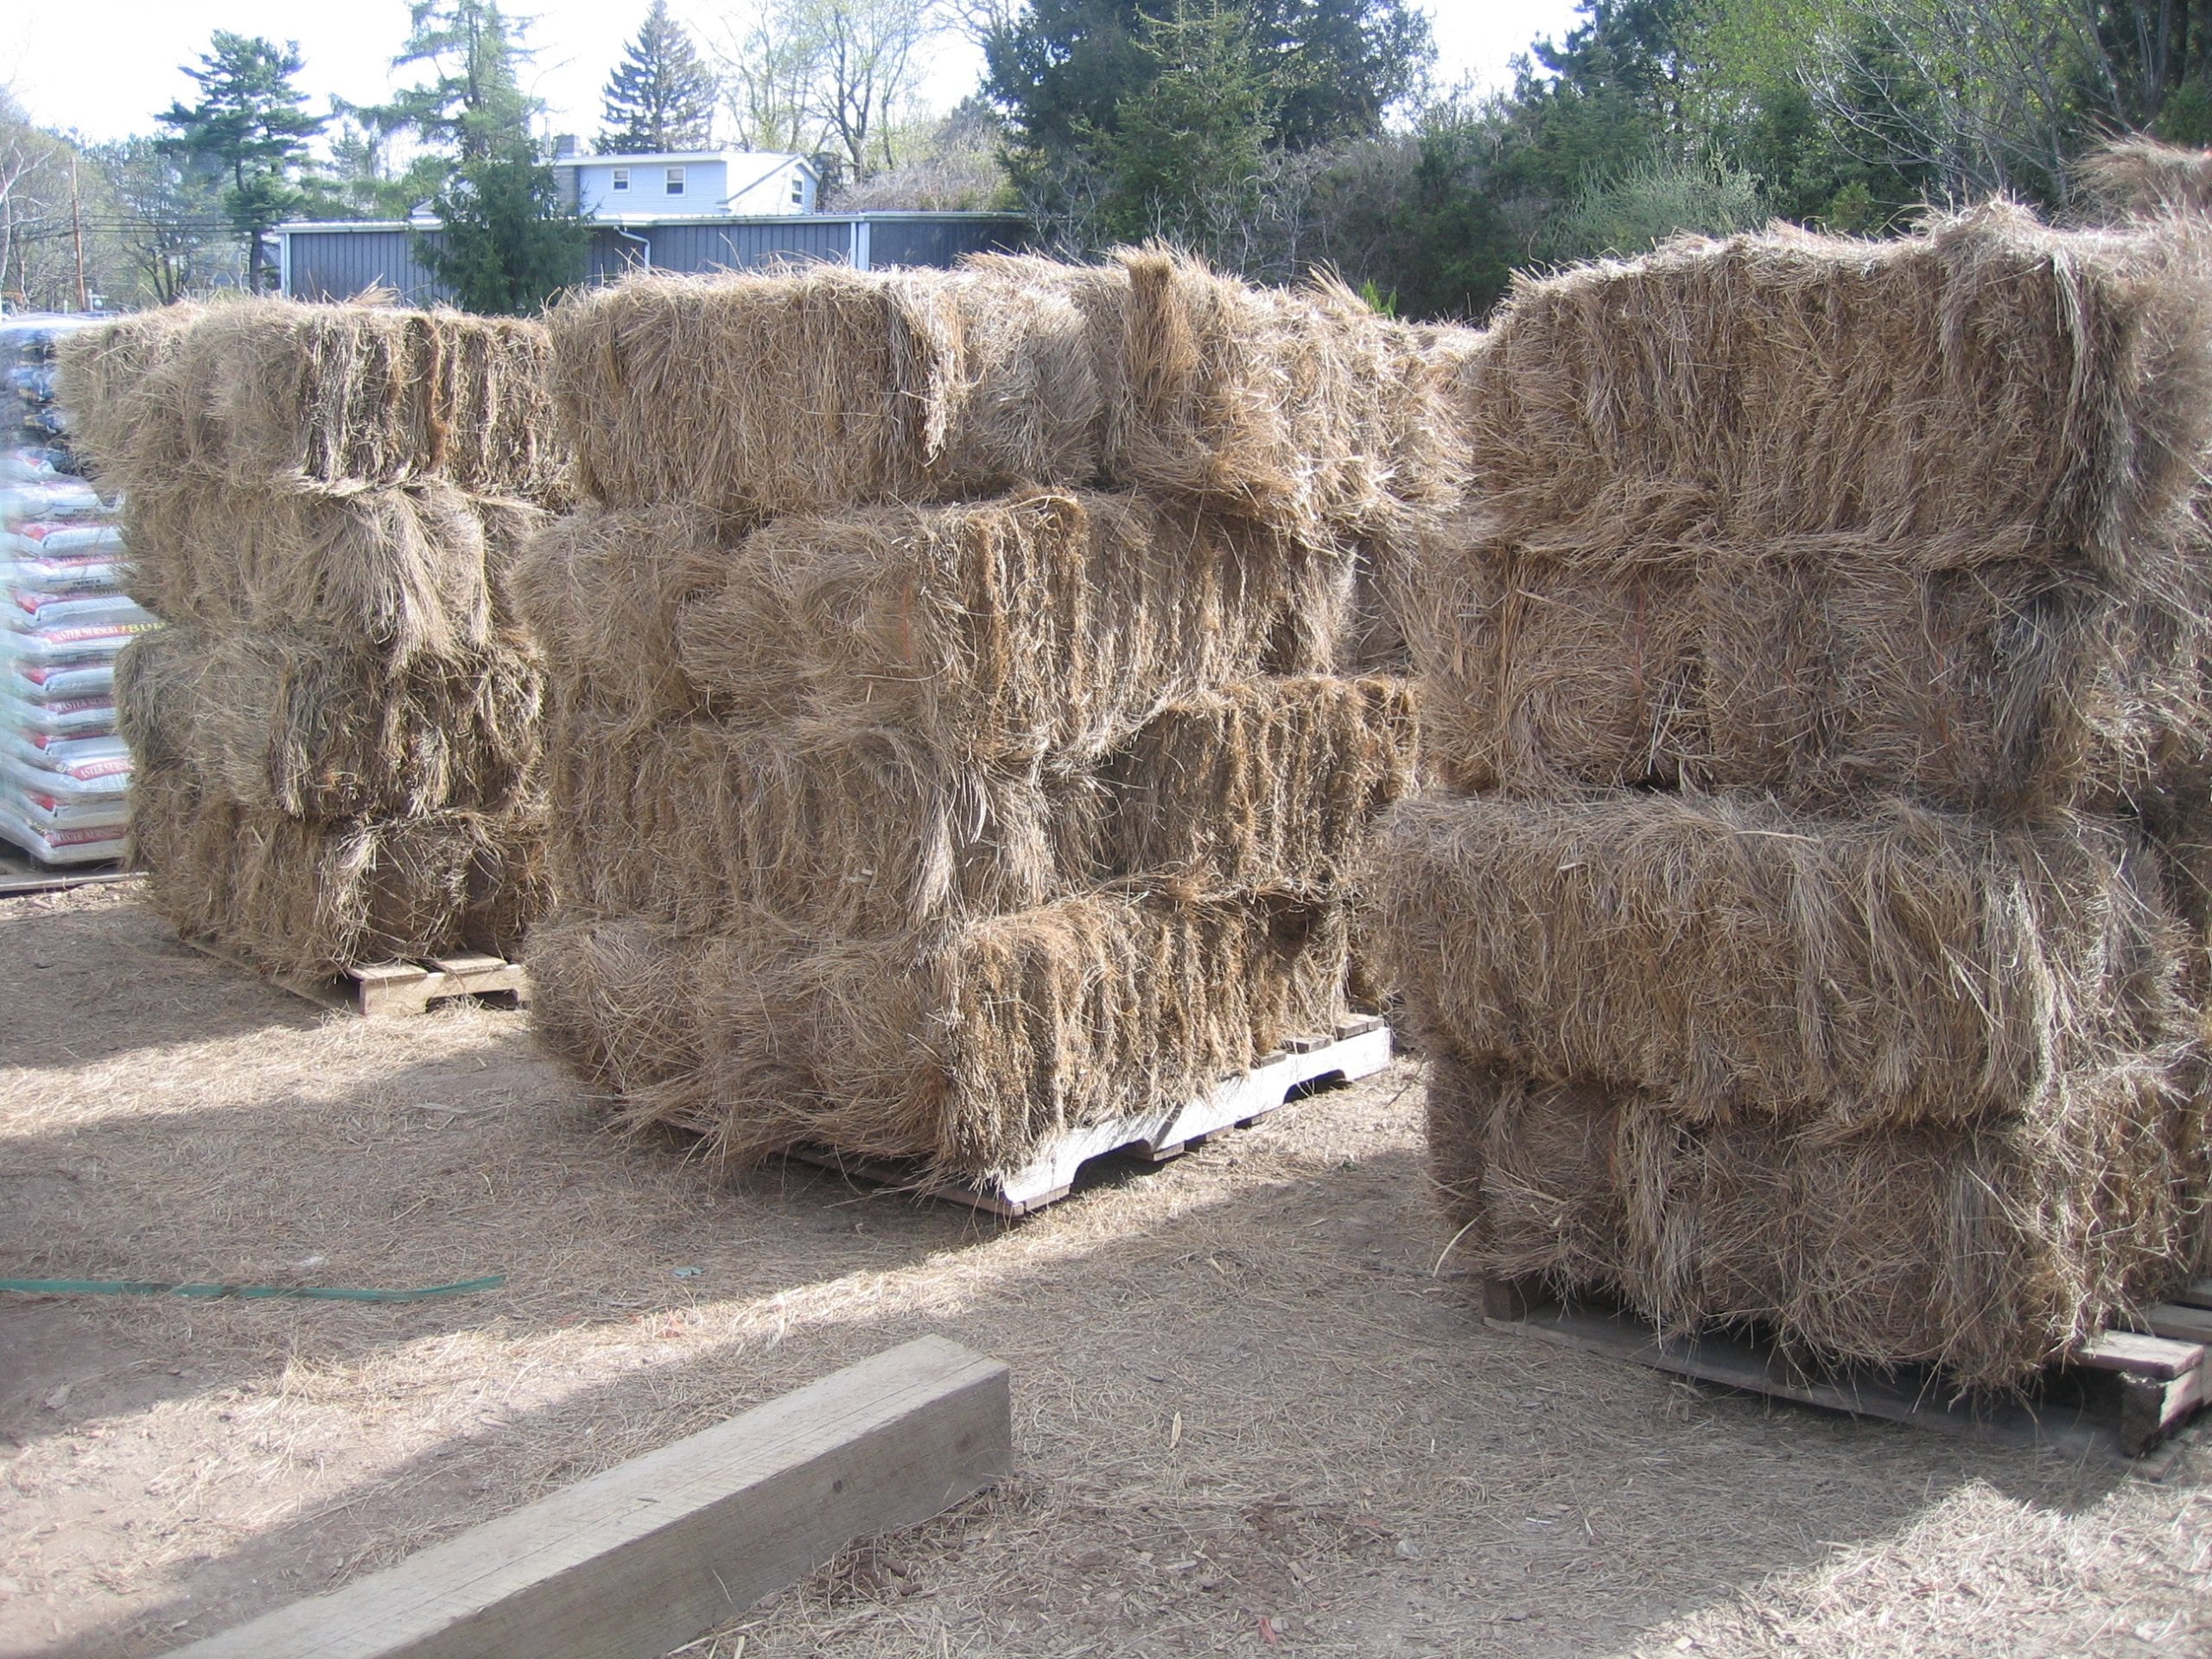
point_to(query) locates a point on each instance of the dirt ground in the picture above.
(1250, 1417)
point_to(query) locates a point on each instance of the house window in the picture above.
(675, 180)
(621, 178)
(798, 191)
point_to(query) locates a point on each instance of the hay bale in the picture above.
(864, 833)
(618, 997)
(352, 394)
(283, 723)
(416, 570)
(601, 591)
(1042, 623)
(969, 1049)
(1987, 1251)
(1274, 784)
(781, 826)
(126, 407)
(1147, 371)
(1745, 962)
(1824, 670)
(2139, 177)
(1988, 387)
(273, 394)
(313, 899)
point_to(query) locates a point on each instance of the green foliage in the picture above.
(472, 103)
(1185, 154)
(1651, 201)
(511, 242)
(660, 96)
(1066, 71)
(251, 125)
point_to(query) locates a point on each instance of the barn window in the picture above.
(675, 180)
(621, 178)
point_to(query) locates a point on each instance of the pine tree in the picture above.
(511, 242)
(250, 123)
(661, 97)
(1184, 159)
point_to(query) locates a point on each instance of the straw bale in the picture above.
(313, 899)
(1525, 1175)
(185, 840)
(1987, 1250)
(600, 590)
(1276, 784)
(845, 833)
(126, 407)
(1902, 968)
(1045, 622)
(1988, 385)
(352, 394)
(273, 394)
(2139, 177)
(866, 832)
(283, 723)
(1148, 371)
(1824, 670)
(417, 568)
(972, 1048)
(618, 996)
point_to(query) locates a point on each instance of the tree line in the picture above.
(1275, 136)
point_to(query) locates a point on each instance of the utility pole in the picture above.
(77, 234)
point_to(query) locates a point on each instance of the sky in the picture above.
(114, 63)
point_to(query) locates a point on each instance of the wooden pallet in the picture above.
(389, 989)
(2123, 1394)
(1358, 1048)
(22, 873)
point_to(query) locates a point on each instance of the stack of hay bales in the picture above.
(948, 739)
(337, 733)
(1800, 931)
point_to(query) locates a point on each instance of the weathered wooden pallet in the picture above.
(20, 872)
(1358, 1048)
(2122, 1394)
(389, 989)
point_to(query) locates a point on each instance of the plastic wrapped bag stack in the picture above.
(63, 770)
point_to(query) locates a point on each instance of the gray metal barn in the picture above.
(337, 260)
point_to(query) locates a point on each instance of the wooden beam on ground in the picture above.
(657, 1551)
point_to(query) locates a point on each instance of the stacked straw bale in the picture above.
(1814, 680)
(953, 735)
(338, 736)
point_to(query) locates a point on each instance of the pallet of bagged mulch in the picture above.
(2122, 1392)
(1358, 1048)
(390, 990)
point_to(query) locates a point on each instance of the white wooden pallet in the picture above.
(1358, 1048)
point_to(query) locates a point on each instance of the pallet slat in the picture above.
(389, 989)
(2150, 1385)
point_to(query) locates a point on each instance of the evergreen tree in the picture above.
(1063, 69)
(1184, 161)
(250, 123)
(472, 101)
(661, 97)
(511, 242)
